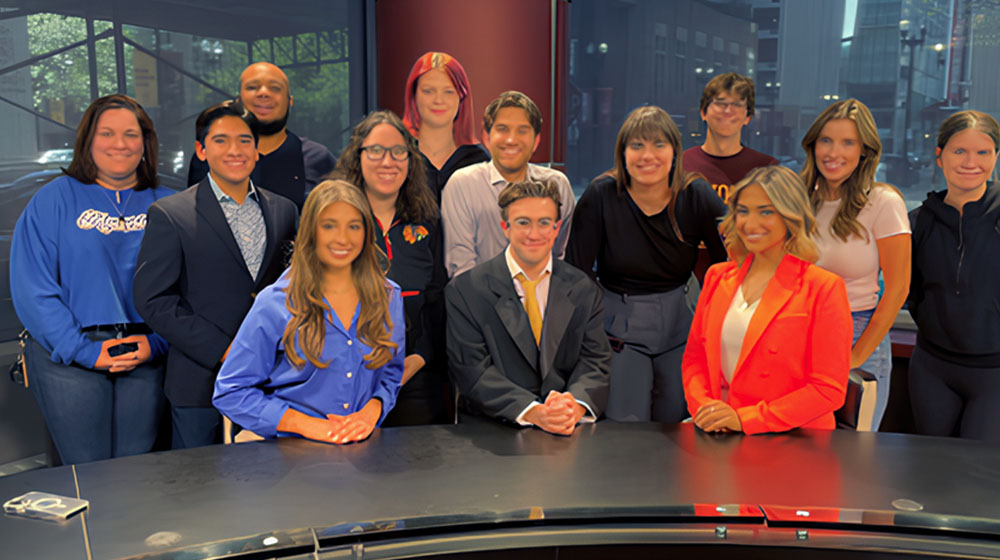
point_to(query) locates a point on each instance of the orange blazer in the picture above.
(793, 365)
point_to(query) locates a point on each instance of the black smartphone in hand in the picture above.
(123, 348)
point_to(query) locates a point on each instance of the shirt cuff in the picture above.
(588, 417)
(520, 417)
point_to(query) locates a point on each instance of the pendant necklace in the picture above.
(121, 213)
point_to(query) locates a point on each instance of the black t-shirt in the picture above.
(464, 156)
(639, 254)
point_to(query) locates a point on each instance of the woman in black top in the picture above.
(382, 158)
(642, 224)
(439, 113)
(954, 296)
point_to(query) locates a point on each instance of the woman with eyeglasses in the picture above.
(320, 354)
(863, 232)
(383, 159)
(641, 224)
(94, 367)
(439, 113)
(771, 337)
(954, 372)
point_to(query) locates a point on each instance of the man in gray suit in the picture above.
(526, 340)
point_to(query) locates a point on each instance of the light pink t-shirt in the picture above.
(856, 260)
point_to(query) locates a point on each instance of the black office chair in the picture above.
(859, 404)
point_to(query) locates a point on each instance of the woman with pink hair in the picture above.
(439, 113)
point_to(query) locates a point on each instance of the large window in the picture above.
(913, 62)
(175, 58)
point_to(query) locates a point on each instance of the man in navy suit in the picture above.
(526, 340)
(205, 254)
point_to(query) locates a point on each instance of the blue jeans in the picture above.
(878, 364)
(92, 415)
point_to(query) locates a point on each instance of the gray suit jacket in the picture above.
(492, 355)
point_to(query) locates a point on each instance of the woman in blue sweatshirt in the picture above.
(93, 366)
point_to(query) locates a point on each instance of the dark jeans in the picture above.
(92, 415)
(195, 426)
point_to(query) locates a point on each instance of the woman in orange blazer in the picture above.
(770, 345)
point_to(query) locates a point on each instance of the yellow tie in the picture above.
(531, 304)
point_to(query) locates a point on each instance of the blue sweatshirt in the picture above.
(72, 258)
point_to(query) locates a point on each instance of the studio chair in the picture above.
(859, 403)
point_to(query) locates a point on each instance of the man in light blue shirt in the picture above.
(469, 211)
(206, 252)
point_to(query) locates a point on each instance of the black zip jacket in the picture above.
(955, 286)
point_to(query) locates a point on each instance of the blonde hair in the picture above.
(855, 190)
(788, 197)
(304, 294)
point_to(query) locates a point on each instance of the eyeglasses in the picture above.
(524, 224)
(723, 105)
(376, 152)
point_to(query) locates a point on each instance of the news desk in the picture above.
(485, 490)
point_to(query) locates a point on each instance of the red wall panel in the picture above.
(502, 45)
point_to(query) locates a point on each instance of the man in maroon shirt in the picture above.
(726, 107)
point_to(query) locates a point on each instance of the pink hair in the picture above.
(464, 128)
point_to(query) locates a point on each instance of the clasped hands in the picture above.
(559, 414)
(342, 429)
(717, 416)
(127, 361)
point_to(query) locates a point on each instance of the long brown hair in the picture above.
(304, 294)
(653, 123)
(855, 190)
(83, 168)
(415, 203)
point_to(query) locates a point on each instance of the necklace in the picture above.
(121, 213)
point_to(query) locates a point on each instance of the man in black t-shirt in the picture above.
(289, 165)
(726, 107)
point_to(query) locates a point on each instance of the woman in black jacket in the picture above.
(954, 293)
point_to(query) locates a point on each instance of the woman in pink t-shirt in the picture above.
(863, 231)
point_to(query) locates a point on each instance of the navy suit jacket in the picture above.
(492, 355)
(192, 286)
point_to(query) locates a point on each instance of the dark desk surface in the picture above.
(489, 471)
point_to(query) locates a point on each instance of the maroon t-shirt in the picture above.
(724, 172)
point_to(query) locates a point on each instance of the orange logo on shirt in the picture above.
(413, 234)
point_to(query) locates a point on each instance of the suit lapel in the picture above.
(558, 311)
(775, 296)
(209, 209)
(270, 242)
(510, 310)
(721, 298)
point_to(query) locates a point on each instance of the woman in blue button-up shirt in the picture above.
(320, 354)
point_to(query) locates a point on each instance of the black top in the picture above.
(416, 263)
(292, 170)
(639, 254)
(463, 156)
(954, 294)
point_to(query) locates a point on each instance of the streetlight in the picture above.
(913, 43)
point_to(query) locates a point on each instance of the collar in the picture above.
(220, 196)
(496, 178)
(516, 269)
